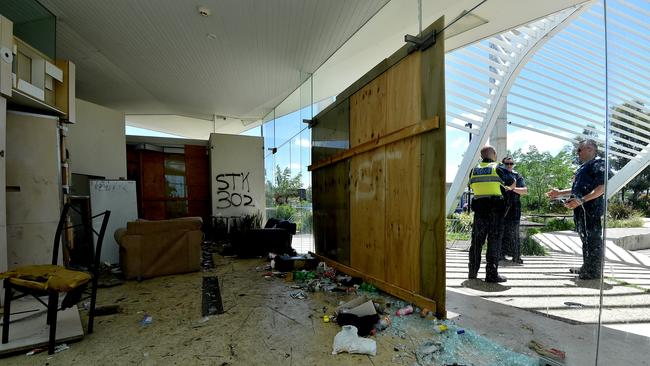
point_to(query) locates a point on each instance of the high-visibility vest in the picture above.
(485, 181)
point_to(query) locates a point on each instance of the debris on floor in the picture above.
(347, 340)
(146, 320)
(552, 353)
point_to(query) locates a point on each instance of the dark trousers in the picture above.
(590, 229)
(488, 223)
(511, 243)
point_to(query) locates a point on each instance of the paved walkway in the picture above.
(568, 242)
(543, 285)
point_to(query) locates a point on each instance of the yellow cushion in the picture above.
(47, 277)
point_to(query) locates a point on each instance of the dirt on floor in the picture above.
(262, 325)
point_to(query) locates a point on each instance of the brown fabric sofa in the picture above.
(162, 247)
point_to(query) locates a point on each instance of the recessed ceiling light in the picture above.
(211, 36)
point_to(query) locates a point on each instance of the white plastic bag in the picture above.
(347, 340)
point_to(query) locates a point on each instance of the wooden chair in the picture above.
(50, 280)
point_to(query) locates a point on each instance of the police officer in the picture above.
(586, 201)
(487, 180)
(511, 243)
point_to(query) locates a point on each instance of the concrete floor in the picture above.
(263, 325)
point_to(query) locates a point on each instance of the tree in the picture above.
(284, 186)
(543, 171)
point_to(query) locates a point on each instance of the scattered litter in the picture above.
(367, 287)
(61, 347)
(146, 320)
(425, 312)
(552, 353)
(326, 319)
(347, 340)
(298, 295)
(460, 331)
(201, 322)
(404, 311)
(35, 351)
(303, 275)
(440, 328)
(383, 323)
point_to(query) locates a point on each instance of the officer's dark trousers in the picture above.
(488, 223)
(511, 244)
(590, 229)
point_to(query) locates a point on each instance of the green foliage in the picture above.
(307, 221)
(559, 225)
(246, 223)
(542, 172)
(618, 210)
(530, 247)
(283, 187)
(459, 226)
(635, 221)
(284, 212)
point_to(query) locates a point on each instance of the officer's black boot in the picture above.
(492, 274)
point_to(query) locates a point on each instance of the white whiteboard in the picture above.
(118, 196)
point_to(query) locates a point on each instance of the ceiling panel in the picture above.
(163, 57)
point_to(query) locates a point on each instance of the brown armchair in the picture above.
(162, 247)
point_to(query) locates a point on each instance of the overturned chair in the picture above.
(52, 279)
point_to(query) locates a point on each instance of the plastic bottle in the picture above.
(404, 311)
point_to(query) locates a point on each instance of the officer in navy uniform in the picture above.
(488, 180)
(511, 244)
(587, 202)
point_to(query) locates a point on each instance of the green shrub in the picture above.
(284, 212)
(529, 246)
(634, 221)
(618, 210)
(559, 225)
(459, 226)
(307, 222)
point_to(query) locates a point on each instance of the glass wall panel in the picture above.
(625, 303)
(287, 176)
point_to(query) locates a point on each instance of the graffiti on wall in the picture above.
(234, 190)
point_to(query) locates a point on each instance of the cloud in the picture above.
(302, 142)
(451, 170)
(523, 139)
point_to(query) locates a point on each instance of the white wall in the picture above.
(96, 143)
(34, 205)
(237, 175)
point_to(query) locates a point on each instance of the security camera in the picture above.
(203, 11)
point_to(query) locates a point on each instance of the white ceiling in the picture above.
(155, 57)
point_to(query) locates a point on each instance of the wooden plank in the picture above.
(410, 296)
(403, 214)
(401, 134)
(432, 175)
(367, 207)
(403, 96)
(368, 112)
